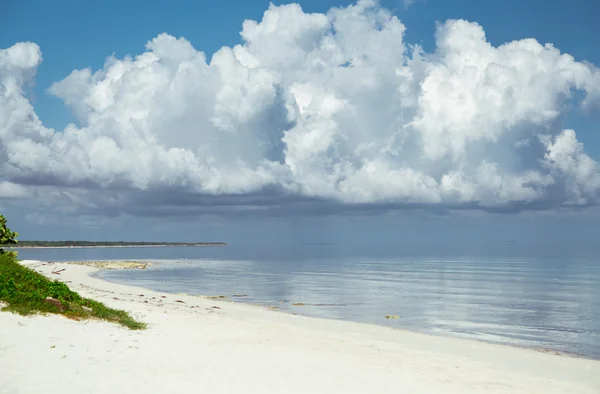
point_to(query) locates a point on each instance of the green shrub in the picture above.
(7, 237)
(26, 291)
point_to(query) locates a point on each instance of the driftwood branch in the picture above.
(57, 272)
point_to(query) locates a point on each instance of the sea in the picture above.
(529, 295)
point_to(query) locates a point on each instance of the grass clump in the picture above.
(27, 292)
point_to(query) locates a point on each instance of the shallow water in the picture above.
(525, 295)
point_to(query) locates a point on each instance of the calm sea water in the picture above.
(527, 295)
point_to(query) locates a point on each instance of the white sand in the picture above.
(191, 347)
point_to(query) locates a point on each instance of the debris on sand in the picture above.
(113, 264)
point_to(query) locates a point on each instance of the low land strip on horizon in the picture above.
(105, 244)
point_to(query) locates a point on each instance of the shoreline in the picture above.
(107, 265)
(194, 343)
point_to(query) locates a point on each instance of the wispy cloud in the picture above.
(407, 3)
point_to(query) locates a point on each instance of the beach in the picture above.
(197, 344)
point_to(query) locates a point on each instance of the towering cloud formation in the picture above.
(329, 106)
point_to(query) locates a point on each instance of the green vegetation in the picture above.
(7, 237)
(55, 244)
(27, 292)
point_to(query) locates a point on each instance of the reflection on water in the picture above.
(508, 294)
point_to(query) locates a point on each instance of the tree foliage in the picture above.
(7, 237)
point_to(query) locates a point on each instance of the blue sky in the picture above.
(74, 35)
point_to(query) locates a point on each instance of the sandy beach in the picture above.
(201, 345)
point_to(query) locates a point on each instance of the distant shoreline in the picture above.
(157, 245)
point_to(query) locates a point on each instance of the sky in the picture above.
(243, 121)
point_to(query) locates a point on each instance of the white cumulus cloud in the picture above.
(333, 107)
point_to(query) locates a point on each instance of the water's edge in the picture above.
(98, 274)
(516, 295)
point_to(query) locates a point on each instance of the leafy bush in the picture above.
(7, 237)
(28, 292)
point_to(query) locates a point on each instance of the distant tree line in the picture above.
(25, 244)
